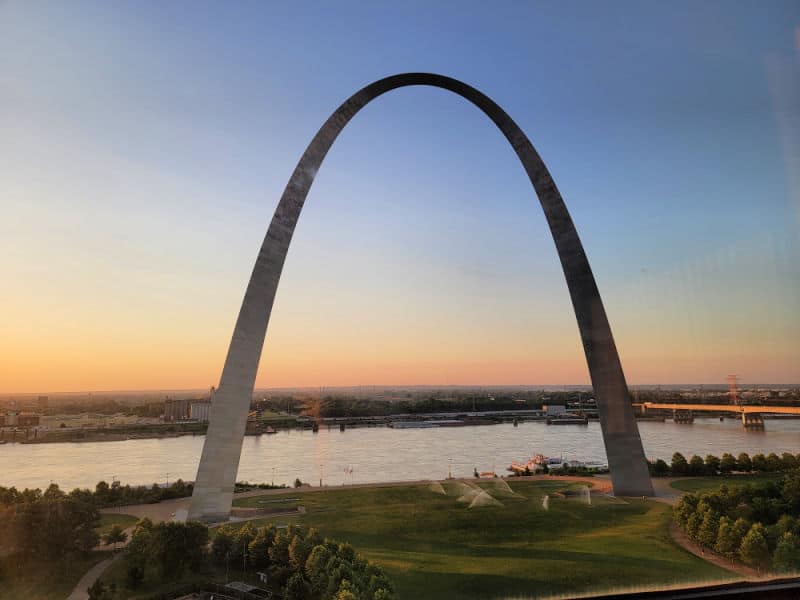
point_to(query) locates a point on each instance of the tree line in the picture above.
(713, 465)
(46, 525)
(103, 495)
(757, 525)
(300, 564)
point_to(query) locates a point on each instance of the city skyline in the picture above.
(135, 199)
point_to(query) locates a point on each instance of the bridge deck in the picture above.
(734, 408)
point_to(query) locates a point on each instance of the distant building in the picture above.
(43, 402)
(17, 419)
(554, 409)
(176, 410)
(28, 420)
(199, 410)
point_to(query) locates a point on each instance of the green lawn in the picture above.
(108, 520)
(272, 503)
(702, 484)
(46, 580)
(433, 546)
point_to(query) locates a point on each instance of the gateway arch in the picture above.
(216, 475)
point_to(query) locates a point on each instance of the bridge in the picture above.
(752, 414)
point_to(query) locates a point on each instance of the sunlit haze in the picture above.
(144, 148)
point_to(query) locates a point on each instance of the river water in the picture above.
(372, 454)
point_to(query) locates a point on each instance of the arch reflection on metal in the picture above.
(213, 490)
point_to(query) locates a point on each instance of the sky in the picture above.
(144, 147)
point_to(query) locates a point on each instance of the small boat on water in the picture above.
(270, 430)
(538, 463)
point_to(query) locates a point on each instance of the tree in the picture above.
(686, 506)
(279, 551)
(99, 591)
(760, 462)
(346, 591)
(743, 463)
(787, 554)
(696, 465)
(693, 524)
(774, 462)
(754, 550)
(712, 464)
(115, 536)
(174, 547)
(727, 544)
(298, 553)
(222, 545)
(315, 568)
(727, 464)
(297, 588)
(679, 464)
(788, 461)
(790, 490)
(709, 528)
(660, 468)
(298, 483)
(259, 547)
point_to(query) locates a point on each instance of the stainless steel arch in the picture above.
(213, 491)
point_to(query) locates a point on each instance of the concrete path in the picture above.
(683, 540)
(81, 591)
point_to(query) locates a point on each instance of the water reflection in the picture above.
(373, 454)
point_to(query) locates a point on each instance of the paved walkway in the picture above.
(81, 591)
(683, 540)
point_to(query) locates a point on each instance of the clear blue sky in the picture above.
(144, 147)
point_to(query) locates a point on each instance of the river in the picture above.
(374, 454)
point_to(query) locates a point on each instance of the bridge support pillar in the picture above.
(753, 421)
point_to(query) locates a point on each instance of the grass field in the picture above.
(107, 521)
(433, 546)
(698, 484)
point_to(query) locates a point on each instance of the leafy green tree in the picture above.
(679, 464)
(787, 554)
(346, 591)
(693, 524)
(790, 490)
(115, 536)
(760, 463)
(175, 547)
(754, 550)
(743, 463)
(727, 464)
(660, 468)
(242, 538)
(298, 553)
(789, 461)
(709, 528)
(315, 568)
(99, 591)
(297, 588)
(787, 524)
(696, 465)
(222, 545)
(279, 551)
(727, 543)
(686, 506)
(259, 547)
(712, 464)
(774, 462)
